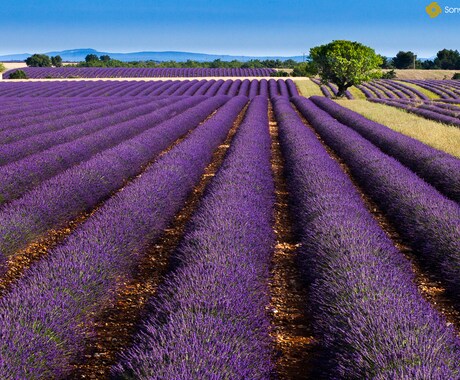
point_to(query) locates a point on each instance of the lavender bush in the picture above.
(45, 316)
(65, 196)
(18, 177)
(436, 167)
(209, 318)
(368, 314)
(423, 216)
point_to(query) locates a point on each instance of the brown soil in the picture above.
(429, 285)
(292, 332)
(114, 328)
(18, 263)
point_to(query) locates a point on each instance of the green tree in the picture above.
(56, 61)
(105, 58)
(289, 64)
(391, 74)
(91, 58)
(386, 63)
(304, 69)
(345, 63)
(2, 67)
(428, 65)
(404, 60)
(447, 59)
(18, 74)
(39, 60)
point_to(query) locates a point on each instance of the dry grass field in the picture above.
(14, 65)
(437, 135)
(424, 74)
(306, 87)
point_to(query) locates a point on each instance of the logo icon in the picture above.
(433, 10)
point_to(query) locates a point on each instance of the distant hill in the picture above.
(178, 56)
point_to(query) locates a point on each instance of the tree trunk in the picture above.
(341, 90)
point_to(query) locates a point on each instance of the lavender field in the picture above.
(224, 229)
(131, 72)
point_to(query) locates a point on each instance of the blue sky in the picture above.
(250, 27)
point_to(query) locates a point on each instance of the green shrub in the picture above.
(456, 76)
(389, 74)
(280, 73)
(18, 74)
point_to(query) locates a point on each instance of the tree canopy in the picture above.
(39, 60)
(56, 61)
(345, 63)
(447, 59)
(404, 60)
(91, 58)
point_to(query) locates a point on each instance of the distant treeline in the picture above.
(445, 60)
(92, 60)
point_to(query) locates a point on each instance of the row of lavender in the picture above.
(134, 72)
(238, 87)
(371, 320)
(405, 89)
(400, 89)
(438, 168)
(369, 315)
(445, 89)
(30, 164)
(80, 186)
(209, 317)
(330, 90)
(47, 313)
(437, 111)
(391, 89)
(404, 96)
(427, 218)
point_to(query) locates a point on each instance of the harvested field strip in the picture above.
(436, 167)
(437, 135)
(428, 93)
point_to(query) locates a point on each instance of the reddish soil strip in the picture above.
(292, 332)
(114, 328)
(428, 283)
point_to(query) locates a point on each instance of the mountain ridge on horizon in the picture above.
(74, 55)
